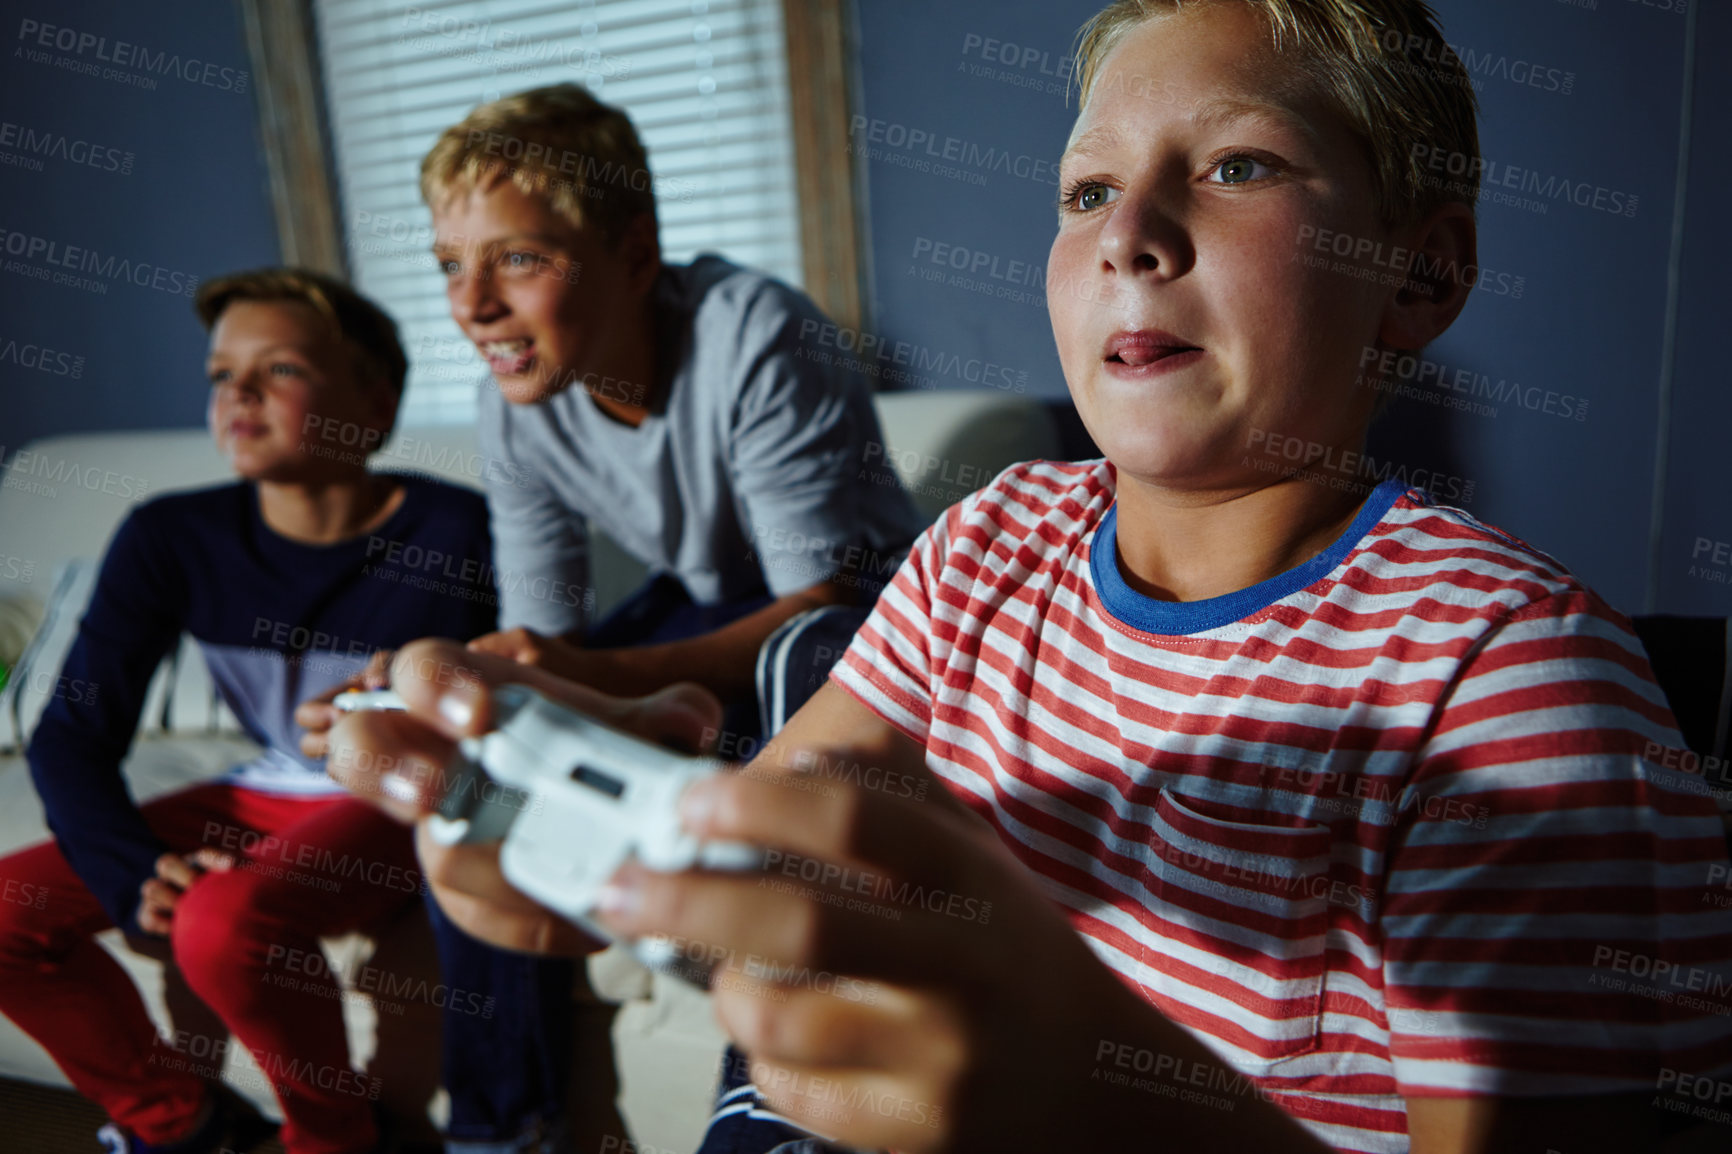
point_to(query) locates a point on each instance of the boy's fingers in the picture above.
(806, 816)
(684, 716)
(865, 1107)
(377, 674)
(448, 686)
(213, 860)
(537, 932)
(315, 721)
(160, 896)
(505, 643)
(153, 921)
(431, 673)
(822, 1020)
(472, 870)
(525, 647)
(711, 914)
(391, 759)
(320, 704)
(855, 881)
(318, 714)
(472, 891)
(176, 870)
(848, 925)
(398, 760)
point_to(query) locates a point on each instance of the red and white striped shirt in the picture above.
(1379, 826)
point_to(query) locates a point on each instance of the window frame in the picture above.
(299, 158)
(296, 144)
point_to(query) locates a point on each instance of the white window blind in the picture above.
(705, 81)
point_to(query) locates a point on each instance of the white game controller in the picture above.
(571, 799)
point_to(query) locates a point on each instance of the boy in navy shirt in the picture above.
(290, 579)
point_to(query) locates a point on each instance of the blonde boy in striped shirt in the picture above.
(1285, 809)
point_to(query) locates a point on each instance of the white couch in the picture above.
(62, 499)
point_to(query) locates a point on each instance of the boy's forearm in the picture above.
(1107, 1070)
(723, 661)
(1144, 1075)
(100, 831)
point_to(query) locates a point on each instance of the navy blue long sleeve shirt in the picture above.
(277, 621)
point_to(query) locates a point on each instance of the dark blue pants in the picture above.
(793, 664)
(507, 1074)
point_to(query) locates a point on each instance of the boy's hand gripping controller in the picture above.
(571, 799)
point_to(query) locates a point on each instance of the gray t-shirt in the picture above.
(764, 468)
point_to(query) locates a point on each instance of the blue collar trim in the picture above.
(1182, 618)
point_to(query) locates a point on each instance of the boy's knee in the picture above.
(208, 919)
(19, 946)
(28, 935)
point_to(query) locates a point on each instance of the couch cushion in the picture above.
(61, 502)
(63, 497)
(946, 445)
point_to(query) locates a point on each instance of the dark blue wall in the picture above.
(965, 159)
(1693, 564)
(177, 193)
(1590, 322)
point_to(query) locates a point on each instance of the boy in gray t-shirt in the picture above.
(747, 478)
(670, 405)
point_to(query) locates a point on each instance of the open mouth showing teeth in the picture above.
(508, 357)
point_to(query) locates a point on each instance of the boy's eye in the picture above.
(218, 376)
(515, 260)
(449, 267)
(1087, 195)
(1240, 170)
(285, 370)
(519, 261)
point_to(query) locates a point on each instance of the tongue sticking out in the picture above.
(1143, 355)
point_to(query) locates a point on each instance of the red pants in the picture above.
(246, 941)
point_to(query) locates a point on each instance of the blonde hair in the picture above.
(558, 142)
(365, 327)
(1383, 63)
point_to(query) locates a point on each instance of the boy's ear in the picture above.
(387, 405)
(641, 250)
(1441, 275)
(383, 402)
